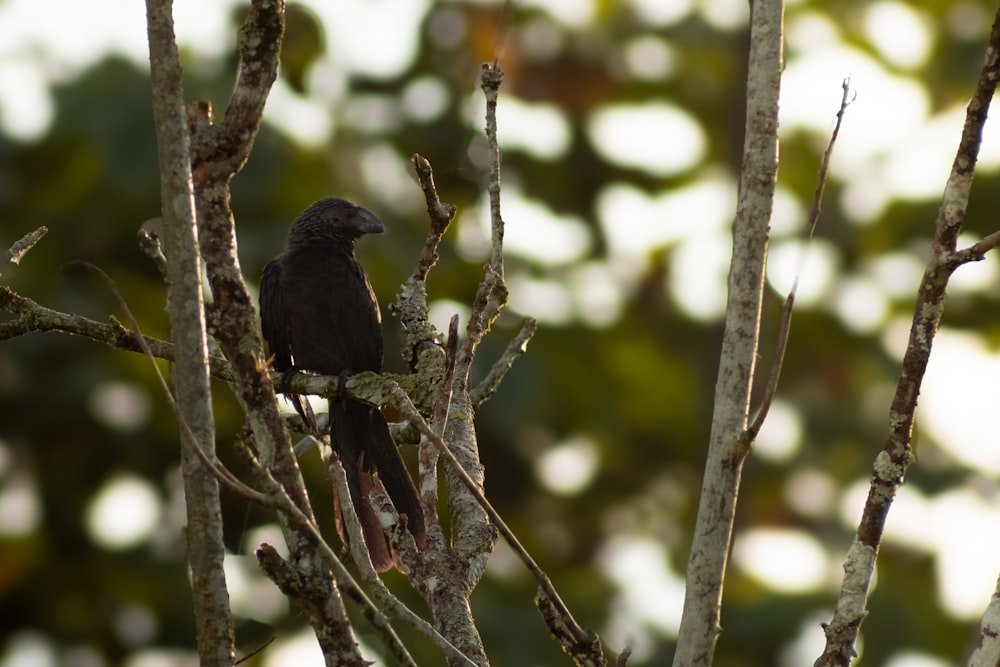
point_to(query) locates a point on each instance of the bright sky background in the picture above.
(892, 147)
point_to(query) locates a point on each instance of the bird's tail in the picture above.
(361, 438)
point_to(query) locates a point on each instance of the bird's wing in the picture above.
(274, 326)
(273, 323)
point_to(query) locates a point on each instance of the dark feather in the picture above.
(274, 326)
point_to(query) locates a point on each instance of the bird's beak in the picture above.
(368, 223)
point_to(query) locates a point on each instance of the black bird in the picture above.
(318, 313)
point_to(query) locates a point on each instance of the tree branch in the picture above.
(219, 152)
(896, 455)
(515, 348)
(187, 330)
(706, 568)
(786, 310)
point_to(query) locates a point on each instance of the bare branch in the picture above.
(440, 214)
(185, 307)
(977, 251)
(517, 347)
(149, 243)
(786, 310)
(706, 568)
(492, 293)
(32, 317)
(896, 456)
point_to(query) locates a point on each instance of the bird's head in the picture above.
(333, 219)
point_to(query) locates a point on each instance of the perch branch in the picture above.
(31, 317)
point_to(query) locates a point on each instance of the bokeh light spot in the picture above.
(252, 595)
(788, 561)
(899, 33)
(532, 230)
(781, 435)
(650, 593)
(660, 13)
(135, 624)
(123, 513)
(20, 506)
(425, 99)
(725, 14)
(540, 130)
(958, 400)
(659, 138)
(28, 648)
(568, 467)
(599, 296)
(811, 493)
(123, 406)
(815, 269)
(860, 304)
(698, 273)
(649, 58)
(545, 300)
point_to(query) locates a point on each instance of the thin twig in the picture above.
(32, 316)
(224, 475)
(977, 251)
(149, 243)
(440, 214)
(517, 347)
(491, 296)
(786, 311)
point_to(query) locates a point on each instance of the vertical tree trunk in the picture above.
(727, 450)
(187, 331)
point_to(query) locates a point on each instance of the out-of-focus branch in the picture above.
(20, 248)
(706, 568)
(896, 455)
(185, 307)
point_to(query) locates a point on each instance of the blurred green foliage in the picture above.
(640, 388)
